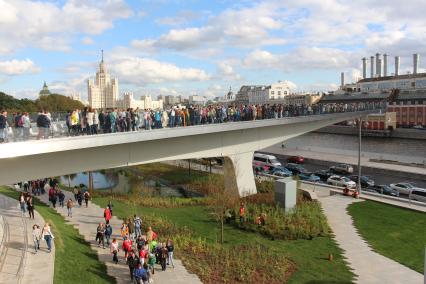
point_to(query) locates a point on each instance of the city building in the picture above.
(172, 100)
(406, 93)
(261, 94)
(45, 91)
(302, 99)
(75, 96)
(146, 102)
(197, 100)
(103, 91)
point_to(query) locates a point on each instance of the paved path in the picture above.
(86, 221)
(369, 266)
(18, 261)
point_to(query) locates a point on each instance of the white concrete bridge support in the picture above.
(239, 173)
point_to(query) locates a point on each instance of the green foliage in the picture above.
(52, 103)
(397, 233)
(306, 221)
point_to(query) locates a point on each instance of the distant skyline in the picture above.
(201, 47)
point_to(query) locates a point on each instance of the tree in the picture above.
(219, 200)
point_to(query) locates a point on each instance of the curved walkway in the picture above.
(86, 220)
(18, 261)
(369, 266)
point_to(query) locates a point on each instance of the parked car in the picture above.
(323, 174)
(280, 171)
(296, 168)
(309, 177)
(402, 187)
(418, 195)
(341, 181)
(296, 159)
(366, 181)
(385, 189)
(342, 169)
(260, 159)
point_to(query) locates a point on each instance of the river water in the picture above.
(396, 149)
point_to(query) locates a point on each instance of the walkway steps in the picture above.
(85, 220)
(369, 266)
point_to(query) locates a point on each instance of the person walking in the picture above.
(47, 235)
(110, 205)
(164, 256)
(138, 224)
(75, 191)
(100, 235)
(30, 206)
(124, 231)
(107, 215)
(126, 246)
(114, 250)
(86, 198)
(70, 205)
(242, 212)
(22, 202)
(3, 126)
(61, 198)
(79, 198)
(108, 232)
(170, 249)
(36, 237)
(132, 261)
(131, 227)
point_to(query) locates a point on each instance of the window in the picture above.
(420, 193)
(272, 92)
(279, 93)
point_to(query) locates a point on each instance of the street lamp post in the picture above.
(359, 155)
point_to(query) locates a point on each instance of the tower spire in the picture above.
(102, 53)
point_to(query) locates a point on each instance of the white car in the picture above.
(418, 195)
(341, 181)
(404, 187)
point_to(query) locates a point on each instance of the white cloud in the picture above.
(48, 25)
(141, 71)
(18, 67)
(87, 40)
(227, 71)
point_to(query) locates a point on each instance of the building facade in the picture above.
(146, 102)
(261, 94)
(103, 91)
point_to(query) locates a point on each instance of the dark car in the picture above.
(296, 168)
(323, 174)
(386, 189)
(366, 181)
(296, 159)
(280, 171)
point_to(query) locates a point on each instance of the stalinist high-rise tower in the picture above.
(103, 92)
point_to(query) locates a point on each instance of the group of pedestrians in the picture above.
(141, 250)
(91, 121)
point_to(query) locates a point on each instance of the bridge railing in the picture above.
(59, 128)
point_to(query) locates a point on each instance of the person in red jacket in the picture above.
(107, 215)
(127, 246)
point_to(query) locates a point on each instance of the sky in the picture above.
(191, 47)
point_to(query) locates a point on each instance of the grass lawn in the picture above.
(310, 256)
(75, 261)
(397, 233)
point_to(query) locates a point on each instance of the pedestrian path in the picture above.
(369, 266)
(18, 261)
(86, 220)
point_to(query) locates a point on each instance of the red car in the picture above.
(296, 159)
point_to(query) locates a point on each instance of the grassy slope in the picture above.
(75, 261)
(397, 233)
(309, 256)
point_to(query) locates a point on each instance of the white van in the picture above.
(260, 160)
(418, 195)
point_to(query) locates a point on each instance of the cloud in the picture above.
(18, 67)
(139, 71)
(183, 17)
(48, 25)
(226, 70)
(87, 40)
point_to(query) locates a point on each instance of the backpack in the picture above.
(21, 121)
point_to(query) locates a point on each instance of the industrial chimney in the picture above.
(364, 68)
(378, 68)
(396, 65)
(372, 67)
(342, 80)
(385, 65)
(416, 58)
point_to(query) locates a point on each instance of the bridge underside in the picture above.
(58, 157)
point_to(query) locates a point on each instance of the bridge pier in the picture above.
(238, 174)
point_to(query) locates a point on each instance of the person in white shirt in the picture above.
(47, 235)
(36, 237)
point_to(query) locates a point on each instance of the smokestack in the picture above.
(342, 79)
(372, 67)
(385, 65)
(416, 58)
(364, 68)
(378, 69)
(396, 65)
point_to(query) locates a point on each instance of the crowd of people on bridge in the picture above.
(91, 121)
